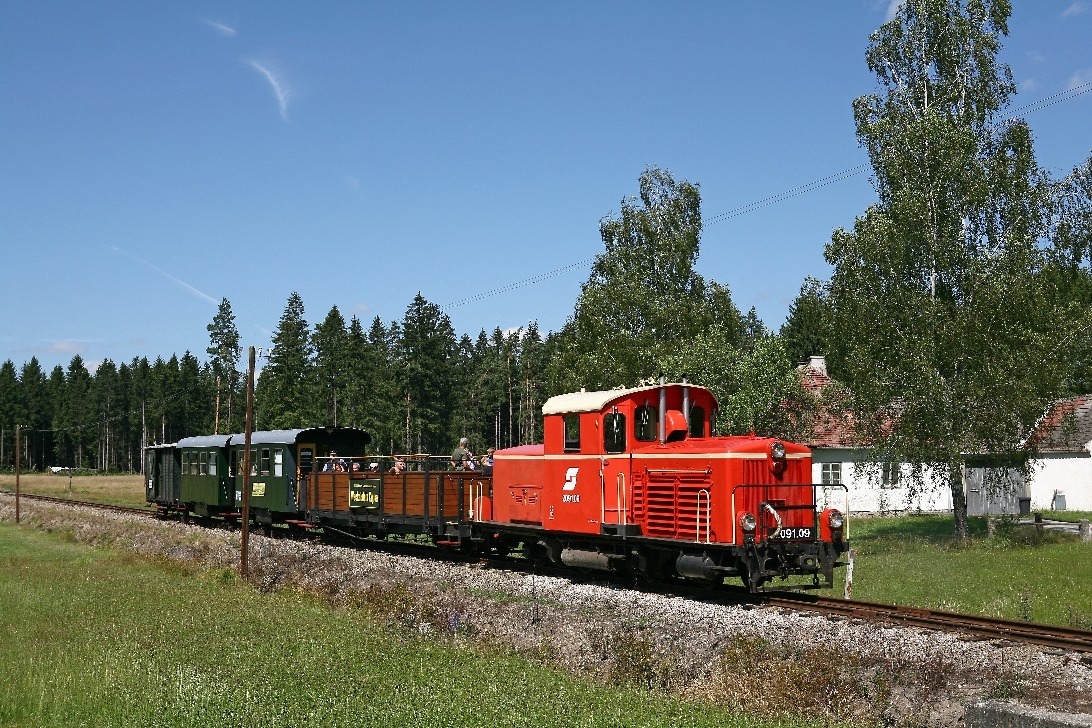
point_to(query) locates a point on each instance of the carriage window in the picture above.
(572, 432)
(645, 423)
(265, 461)
(253, 461)
(213, 457)
(614, 432)
(697, 421)
(278, 463)
(306, 460)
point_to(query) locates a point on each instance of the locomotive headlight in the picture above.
(748, 522)
(777, 450)
(835, 519)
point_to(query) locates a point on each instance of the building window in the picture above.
(889, 475)
(832, 473)
(572, 432)
(646, 422)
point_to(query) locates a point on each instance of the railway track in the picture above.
(968, 625)
(974, 626)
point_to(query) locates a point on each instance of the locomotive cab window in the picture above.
(614, 432)
(646, 422)
(697, 421)
(572, 433)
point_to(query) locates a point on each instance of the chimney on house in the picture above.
(819, 364)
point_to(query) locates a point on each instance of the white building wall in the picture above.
(865, 493)
(1070, 473)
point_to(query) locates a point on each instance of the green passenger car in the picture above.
(206, 481)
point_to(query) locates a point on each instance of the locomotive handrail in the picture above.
(621, 482)
(476, 501)
(708, 516)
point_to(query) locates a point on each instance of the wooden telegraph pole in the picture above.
(246, 465)
(17, 474)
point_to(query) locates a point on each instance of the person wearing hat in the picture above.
(334, 463)
(487, 462)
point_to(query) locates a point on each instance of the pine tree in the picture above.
(286, 386)
(331, 345)
(224, 352)
(425, 353)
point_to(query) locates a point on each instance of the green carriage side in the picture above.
(206, 485)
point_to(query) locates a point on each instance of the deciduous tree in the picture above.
(947, 333)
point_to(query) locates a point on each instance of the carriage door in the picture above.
(305, 464)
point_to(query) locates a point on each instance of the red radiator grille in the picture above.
(666, 502)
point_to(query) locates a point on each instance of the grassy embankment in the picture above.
(92, 637)
(911, 560)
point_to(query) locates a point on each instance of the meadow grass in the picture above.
(92, 637)
(118, 490)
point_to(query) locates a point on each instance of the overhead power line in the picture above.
(1044, 103)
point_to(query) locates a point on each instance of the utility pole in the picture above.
(243, 567)
(17, 474)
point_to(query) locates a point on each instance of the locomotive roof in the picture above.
(574, 402)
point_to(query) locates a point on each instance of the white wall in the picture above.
(865, 493)
(1070, 473)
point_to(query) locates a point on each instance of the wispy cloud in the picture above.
(66, 347)
(1079, 78)
(221, 28)
(280, 89)
(1075, 9)
(195, 291)
(1029, 85)
(892, 10)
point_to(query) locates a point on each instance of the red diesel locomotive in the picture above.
(632, 480)
(627, 480)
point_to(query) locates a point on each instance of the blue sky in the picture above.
(158, 157)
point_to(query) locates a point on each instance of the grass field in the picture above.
(95, 638)
(1017, 574)
(120, 490)
(911, 560)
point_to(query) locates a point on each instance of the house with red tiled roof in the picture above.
(1062, 471)
(840, 460)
